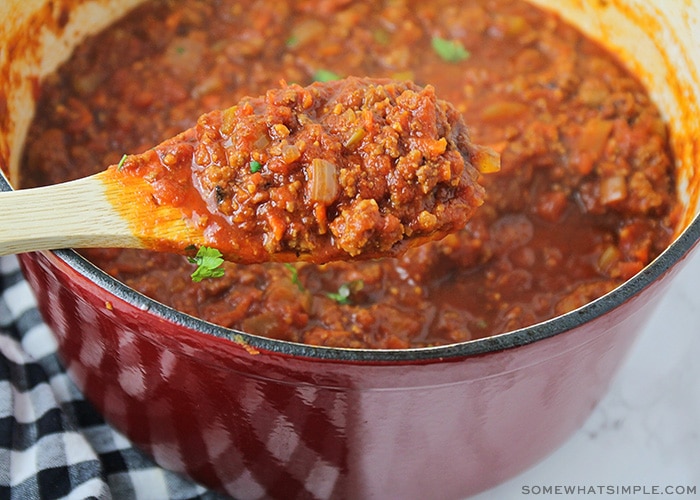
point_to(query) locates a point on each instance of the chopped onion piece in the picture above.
(355, 138)
(486, 160)
(324, 181)
(613, 189)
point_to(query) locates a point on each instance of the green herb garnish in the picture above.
(381, 36)
(255, 166)
(295, 277)
(121, 162)
(450, 50)
(342, 296)
(325, 75)
(292, 41)
(481, 324)
(209, 262)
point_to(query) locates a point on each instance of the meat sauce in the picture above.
(355, 168)
(584, 199)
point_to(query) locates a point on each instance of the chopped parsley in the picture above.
(325, 75)
(255, 166)
(381, 36)
(450, 50)
(481, 324)
(120, 165)
(295, 276)
(342, 296)
(292, 41)
(209, 262)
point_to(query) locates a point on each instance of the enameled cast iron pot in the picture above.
(256, 417)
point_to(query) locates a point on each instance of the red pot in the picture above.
(256, 417)
(251, 416)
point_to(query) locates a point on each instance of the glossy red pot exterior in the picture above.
(252, 420)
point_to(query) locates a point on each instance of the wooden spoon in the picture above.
(356, 168)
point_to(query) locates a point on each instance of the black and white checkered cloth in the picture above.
(53, 443)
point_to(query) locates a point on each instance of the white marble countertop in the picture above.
(646, 431)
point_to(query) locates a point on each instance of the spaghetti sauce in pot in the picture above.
(584, 200)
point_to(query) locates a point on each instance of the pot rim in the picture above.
(672, 255)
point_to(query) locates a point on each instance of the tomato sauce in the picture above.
(584, 200)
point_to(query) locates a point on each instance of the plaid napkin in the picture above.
(53, 443)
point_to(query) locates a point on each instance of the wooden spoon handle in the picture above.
(72, 214)
(95, 211)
